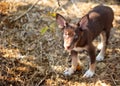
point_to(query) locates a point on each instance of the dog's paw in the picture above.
(99, 57)
(68, 72)
(88, 74)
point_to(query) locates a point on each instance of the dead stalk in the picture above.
(32, 78)
(26, 11)
(113, 80)
(41, 81)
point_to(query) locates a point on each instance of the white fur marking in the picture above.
(68, 72)
(100, 56)
(88, 73)
(100, 46)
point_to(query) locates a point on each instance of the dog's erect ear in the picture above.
(60, 21)
(82, 24)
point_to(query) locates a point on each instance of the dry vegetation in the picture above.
(31, 50)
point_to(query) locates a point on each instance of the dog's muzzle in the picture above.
(75, 39)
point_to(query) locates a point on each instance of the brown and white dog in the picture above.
(79, 36)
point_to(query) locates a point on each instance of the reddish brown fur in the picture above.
(88, 28)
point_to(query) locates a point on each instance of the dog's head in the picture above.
(71, 32)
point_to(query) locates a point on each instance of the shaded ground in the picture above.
(31, 50)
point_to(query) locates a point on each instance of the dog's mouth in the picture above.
(73, 43)
(68, 48)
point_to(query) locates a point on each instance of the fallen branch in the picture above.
(60, 6)
(26, 11)
(74, 5)
(58, 3)
(31, 78)
(113, 80)
(41, 81)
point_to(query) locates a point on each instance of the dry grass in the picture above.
(28, 58)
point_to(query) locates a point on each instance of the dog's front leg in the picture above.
(75, 62)
(90, 72)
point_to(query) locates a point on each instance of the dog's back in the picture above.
(100, 18)
(105, 15)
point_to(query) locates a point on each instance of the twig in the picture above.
(58, 3)
(60, 6)
(31, 78)
(113, 80)
(41, 81)
(26, 11)
(50, 64)
(75, 7)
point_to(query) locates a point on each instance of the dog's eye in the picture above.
(69, 34)
(76, 36)
(65, 33)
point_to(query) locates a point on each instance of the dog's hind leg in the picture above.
(102, 46)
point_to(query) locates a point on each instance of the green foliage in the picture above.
(52, 14)
(51, 27)
(43, 30)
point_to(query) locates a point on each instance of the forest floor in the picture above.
(31, 46)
